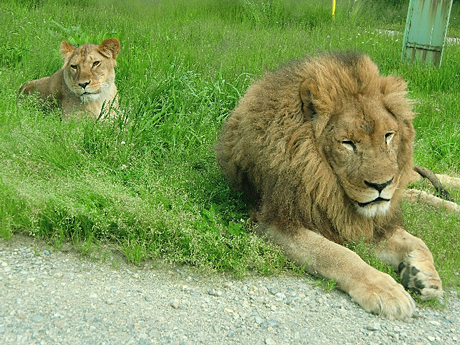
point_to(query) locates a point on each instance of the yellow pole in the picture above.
(333, 8)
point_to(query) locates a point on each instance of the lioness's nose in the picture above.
(84, 84)
(379, 186)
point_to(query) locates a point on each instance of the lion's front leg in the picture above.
(375, 291)
(413, 259)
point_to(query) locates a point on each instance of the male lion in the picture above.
(86, 82)
(324, 149)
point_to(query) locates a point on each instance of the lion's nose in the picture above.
(379, 186)
(84, 84)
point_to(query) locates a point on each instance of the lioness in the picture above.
(86, 82)
(324, 149)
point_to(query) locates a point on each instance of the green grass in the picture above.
(153, 188)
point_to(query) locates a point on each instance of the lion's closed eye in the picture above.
(349, 145)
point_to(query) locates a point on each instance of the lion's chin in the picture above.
(373, 209)
(89, 97)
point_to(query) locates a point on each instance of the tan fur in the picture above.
(415, 195)
(323, 147)
(451, 181)
(85, 83)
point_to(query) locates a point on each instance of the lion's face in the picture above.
(89, 69)
(361, 145)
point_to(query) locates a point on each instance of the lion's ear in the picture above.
(392, 84)
(110, 47)
(66, 50)
(308, 92)
(394, 91)
(307, 102)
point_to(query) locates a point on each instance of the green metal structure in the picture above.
(426, 29)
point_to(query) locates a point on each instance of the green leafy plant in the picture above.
(76, 36)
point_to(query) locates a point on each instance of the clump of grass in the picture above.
(327, 284)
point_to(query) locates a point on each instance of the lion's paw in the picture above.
(420, 275)
(382, 295)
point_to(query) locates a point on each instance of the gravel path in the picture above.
(49, 297)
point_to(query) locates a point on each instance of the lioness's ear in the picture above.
(66, 49)
(307, 104)
(110, 47)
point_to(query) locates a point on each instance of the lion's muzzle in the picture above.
(379, 186)
(380, 201)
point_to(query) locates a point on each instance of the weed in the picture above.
(327, 284)
(135, 252)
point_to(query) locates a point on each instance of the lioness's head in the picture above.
(363, 125)
(88, 69)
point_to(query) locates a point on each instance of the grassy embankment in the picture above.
(153, 188)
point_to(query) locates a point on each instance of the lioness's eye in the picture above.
(389, 137)
(96, 63)
(73, 66)
(349, 145)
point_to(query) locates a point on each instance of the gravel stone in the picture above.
(373, 327)
(269, 341)
(175, 304)
(37, 318)
(59, 297)
(216, 293)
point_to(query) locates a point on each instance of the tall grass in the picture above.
(152, 188)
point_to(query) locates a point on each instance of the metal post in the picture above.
(426, 29)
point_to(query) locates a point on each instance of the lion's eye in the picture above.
(73, 66)
(96, 63)
(389, 137)
(349, 145)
